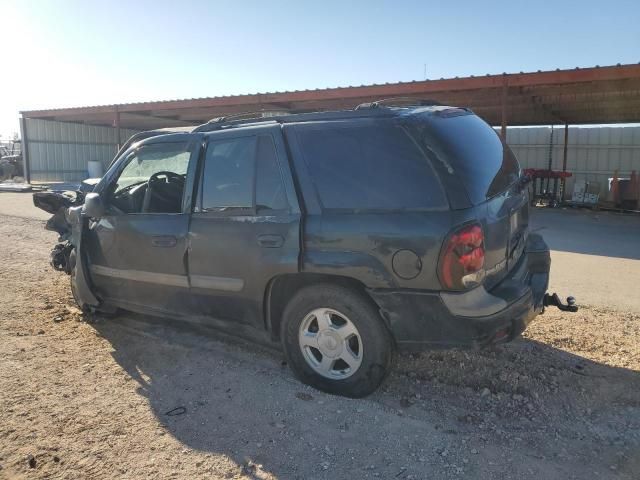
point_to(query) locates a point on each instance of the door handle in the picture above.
(270, 241)
(164, 241)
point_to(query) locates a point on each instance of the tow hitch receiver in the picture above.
(554, 301)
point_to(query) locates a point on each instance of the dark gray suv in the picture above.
(342, 236)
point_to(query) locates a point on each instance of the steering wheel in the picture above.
(157, 179)
(169, 177)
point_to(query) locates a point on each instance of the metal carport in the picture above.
(598, 95)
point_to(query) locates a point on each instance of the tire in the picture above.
(368, 348)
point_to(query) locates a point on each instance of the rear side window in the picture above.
(472, 148)
(227, 181)
(236, 171)
(369, 167)
(269, 188)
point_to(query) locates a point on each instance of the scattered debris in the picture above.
(73, 309)
(176, 411)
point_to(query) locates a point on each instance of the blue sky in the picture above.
(74, 53)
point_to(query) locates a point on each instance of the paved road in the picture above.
(595, 255)
(20, 205)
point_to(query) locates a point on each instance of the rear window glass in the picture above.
(472, 148)
(372, 167)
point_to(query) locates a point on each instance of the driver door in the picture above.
(137, 251)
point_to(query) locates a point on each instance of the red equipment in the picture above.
(542, 192)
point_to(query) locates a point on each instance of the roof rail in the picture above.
(399, 102)
(251, 119)
(220, 123)
(249, 115)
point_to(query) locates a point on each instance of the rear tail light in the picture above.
(462, 259)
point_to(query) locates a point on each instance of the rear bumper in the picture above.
(420, 319)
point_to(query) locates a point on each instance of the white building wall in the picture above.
(593, 152)
(60, 151)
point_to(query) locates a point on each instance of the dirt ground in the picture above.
(138, 397)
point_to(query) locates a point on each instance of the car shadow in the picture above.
(232, 398)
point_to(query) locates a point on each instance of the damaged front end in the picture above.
(67, 256)
(58, 204)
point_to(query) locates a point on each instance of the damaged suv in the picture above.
(342, 236)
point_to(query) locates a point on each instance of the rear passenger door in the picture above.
(245, 225)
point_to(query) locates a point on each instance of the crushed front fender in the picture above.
(79, 279)
(71, 225)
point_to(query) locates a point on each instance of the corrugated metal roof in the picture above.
(582, 95)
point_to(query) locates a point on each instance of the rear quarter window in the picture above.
(369, 167)
(476, 153)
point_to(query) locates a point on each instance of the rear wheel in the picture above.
(335, 340)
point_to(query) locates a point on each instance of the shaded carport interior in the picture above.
(580, 96)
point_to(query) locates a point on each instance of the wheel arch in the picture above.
(282, 288)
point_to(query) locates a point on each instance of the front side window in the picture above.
(152, 180)
(369, 167)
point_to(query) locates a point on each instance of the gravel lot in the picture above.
(138, 397)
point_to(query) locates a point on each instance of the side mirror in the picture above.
(93, 206)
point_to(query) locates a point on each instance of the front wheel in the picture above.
(335, 341)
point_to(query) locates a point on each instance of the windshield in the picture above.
(473, 151)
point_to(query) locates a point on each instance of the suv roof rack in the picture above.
(242, 118)
(250, 118)
(399, 102)
(260, 114)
